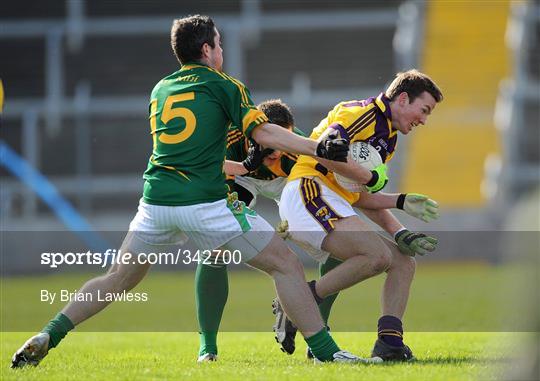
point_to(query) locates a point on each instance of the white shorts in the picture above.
(267, 188)
(210, 226)
(311, 208)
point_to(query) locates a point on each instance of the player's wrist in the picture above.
(400, 202)
(374, 179)
(332, 147)
(254, 157)
(320, 150)
(399, 233)
(378, 180)
(248, 165)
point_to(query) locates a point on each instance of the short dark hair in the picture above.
(414, 83)
(189, 34)
(278, 112)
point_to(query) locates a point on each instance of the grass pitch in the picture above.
(254, 356)
(450, 305)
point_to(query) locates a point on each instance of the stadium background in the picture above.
(77, 76)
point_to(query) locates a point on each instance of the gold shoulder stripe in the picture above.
(360, 120)
(231, 79)
(380, 103)
(262, 119)
(253, 115)
(240, 86)
(362, 124)
(218, 73)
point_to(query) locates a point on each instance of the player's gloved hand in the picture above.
(255, 156)
(283, 229)
(332, 147)
(379, 179)
(419, 206)
(411, 243)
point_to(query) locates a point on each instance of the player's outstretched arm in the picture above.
(273, 136)
(414, 204)
(377, 201)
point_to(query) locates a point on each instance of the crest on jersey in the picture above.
(323, 213)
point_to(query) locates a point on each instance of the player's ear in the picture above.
(403, 98)
(205, 50)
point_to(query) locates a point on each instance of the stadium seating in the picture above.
(120, 69)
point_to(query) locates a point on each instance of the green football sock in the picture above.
(326, 306)
(208, 343)
(322, 345)
(57, 329)
(211, 292)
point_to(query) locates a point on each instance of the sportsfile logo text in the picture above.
(113, 256)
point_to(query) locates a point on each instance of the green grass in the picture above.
(253, 356)
(448, 297)
(447, 301)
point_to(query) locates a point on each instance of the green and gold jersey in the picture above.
(190, 111)
(237, 147)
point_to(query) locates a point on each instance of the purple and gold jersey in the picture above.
(369, 121)
(190, 113)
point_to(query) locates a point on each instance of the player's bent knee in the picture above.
(290, 263)
(403, 263)
(409, 265)
(277, 257)
(381, 262)
(125, 276)
(286, 260)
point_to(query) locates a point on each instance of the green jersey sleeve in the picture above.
(236, 141)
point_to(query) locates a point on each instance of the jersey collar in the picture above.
(192, 65)
(383, 103)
